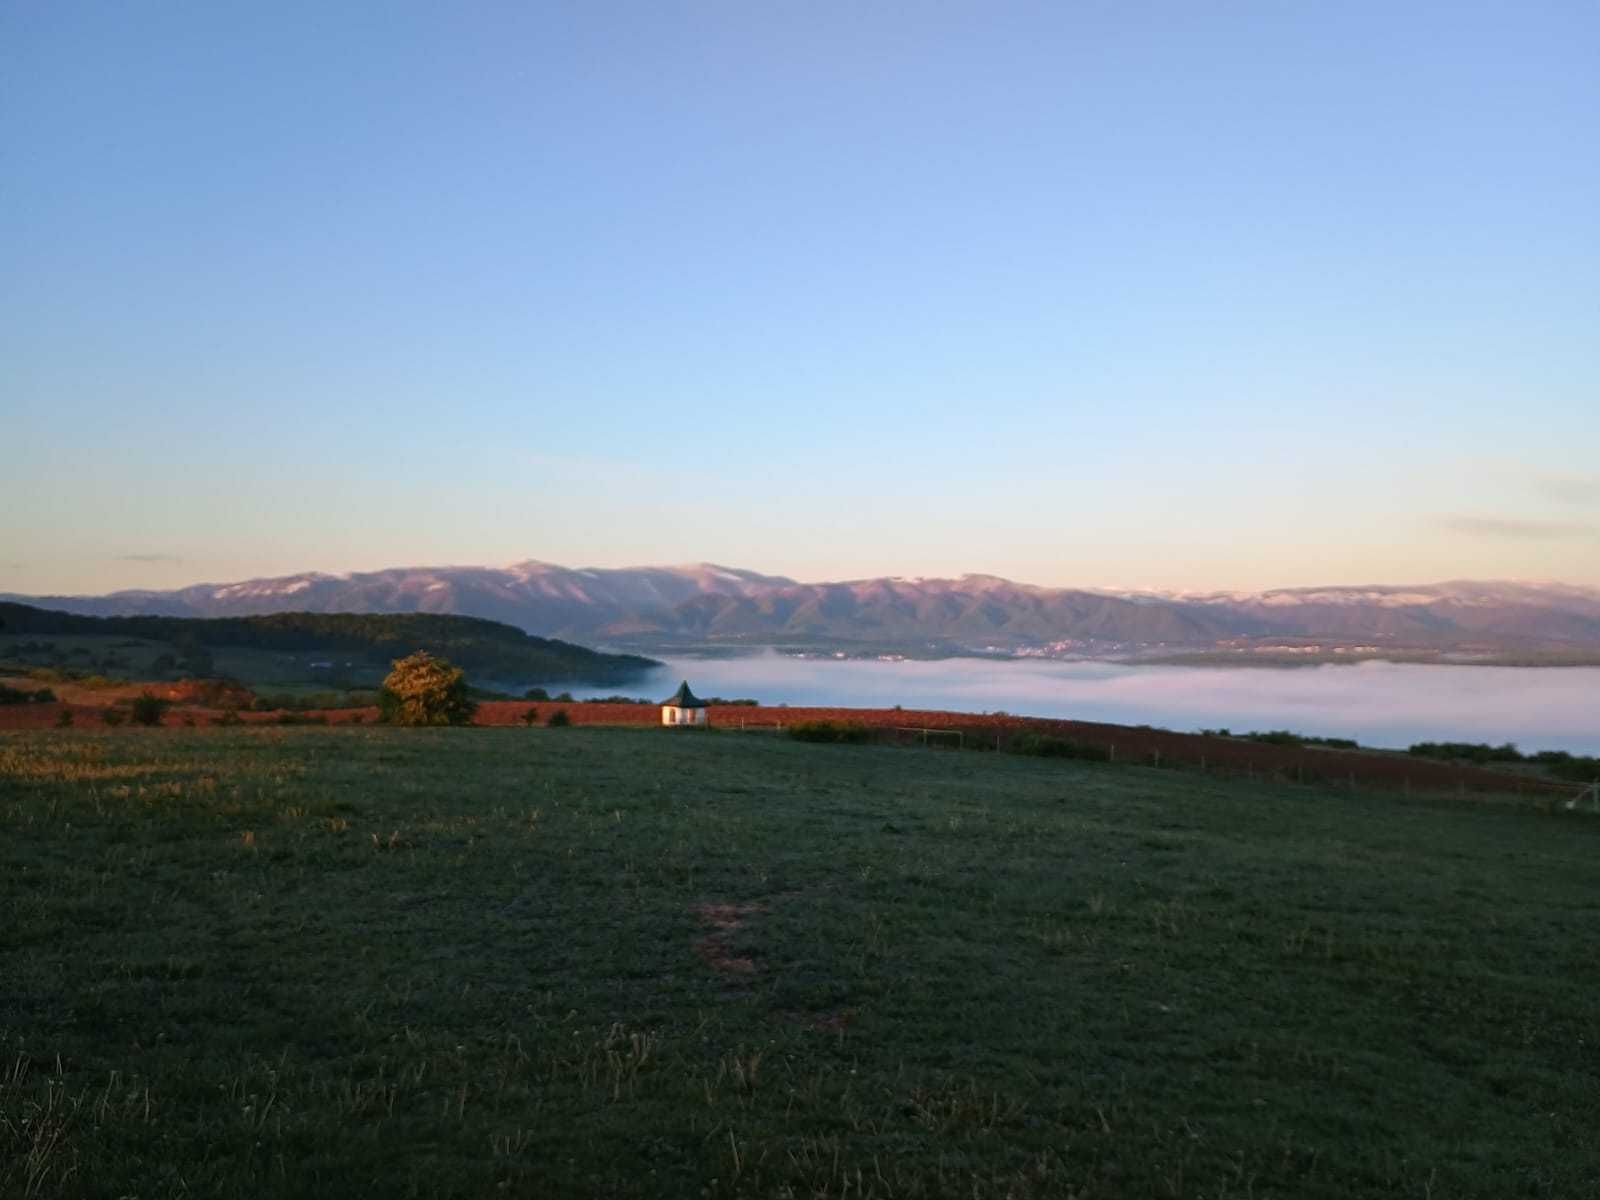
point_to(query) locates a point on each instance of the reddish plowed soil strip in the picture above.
(511, 712)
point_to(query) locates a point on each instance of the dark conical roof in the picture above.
(683, 698)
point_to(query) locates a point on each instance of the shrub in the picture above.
(1478, 752)
(1559, 763)
(11, 695)
(1276, 737)
(536, 694)
(1581, 768)
(148, 708)
(830, 731)
(558, 719)
(298, 701)
(424, 690)
(113, 716)
(531, 717)
(297, 718)
(1046, 745)
(304, 701)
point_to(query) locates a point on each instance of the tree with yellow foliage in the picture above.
(424, 690)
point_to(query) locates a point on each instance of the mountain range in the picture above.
(705, 605)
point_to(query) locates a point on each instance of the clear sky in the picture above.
(1110, 294)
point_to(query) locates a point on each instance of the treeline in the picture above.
(478, 646)
(1285, 737)
(1581, 767)
(540, 693)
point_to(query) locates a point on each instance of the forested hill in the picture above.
(485, 649)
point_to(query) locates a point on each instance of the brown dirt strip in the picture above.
(713, 948)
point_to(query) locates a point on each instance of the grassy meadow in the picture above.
(634, 962)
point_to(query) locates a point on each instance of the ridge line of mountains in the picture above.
(706, 606)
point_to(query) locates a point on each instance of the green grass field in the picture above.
(575, 962)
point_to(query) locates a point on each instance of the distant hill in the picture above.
(674, 607)
(358, 643)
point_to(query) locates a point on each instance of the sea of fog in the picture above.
(1377, 703)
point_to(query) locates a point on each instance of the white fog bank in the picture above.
(1378, 704)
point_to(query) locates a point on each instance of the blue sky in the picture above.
(1154, 295)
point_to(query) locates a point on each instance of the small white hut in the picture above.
(683, 707)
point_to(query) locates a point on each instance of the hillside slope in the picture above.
(487, 650)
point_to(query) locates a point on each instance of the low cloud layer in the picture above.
(149, 558)
(1378, 703)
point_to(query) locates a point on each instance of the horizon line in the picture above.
(1118, 590)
